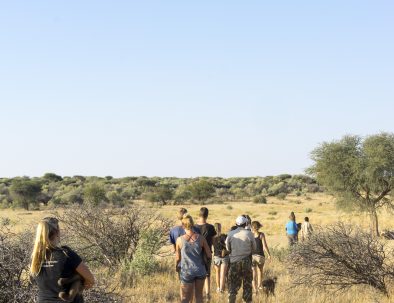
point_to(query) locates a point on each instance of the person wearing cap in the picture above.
(241, 244)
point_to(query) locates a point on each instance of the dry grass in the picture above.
(163, 286)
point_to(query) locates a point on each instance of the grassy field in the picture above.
(320, 208)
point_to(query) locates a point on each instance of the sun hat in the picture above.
(241, 220)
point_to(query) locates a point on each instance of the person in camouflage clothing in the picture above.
(241, 245)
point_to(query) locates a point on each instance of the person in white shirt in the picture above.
(241, 244)
(306, 229)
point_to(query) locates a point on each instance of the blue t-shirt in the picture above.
(291, 228)
(178, 231)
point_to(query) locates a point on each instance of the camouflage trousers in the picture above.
(240, 273)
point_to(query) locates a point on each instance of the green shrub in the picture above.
(273, 213)
(144, 262)
(298, 193)
(277, 188)
(281, 196)
(260, 200)
(229, 207)
(279, 253)
(308, 210)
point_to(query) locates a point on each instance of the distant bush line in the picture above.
(54, 191)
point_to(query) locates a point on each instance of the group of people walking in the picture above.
(238, 257)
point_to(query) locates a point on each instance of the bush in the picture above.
(144, 262)
(279, 253)
(273, 213)
(15, 250)
(308, 210)
(201, 190)
(277, 188)
(281, 196)
(339, 257)
(111, 236)
(260, 200)
(94, 194)
(229, 207)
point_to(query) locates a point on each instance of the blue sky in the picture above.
(181, 88)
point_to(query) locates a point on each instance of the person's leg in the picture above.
(198, 290)
(254, 281)
(223, 275)
(260, 275)
(247, 280)
(207, 284)
(234, 281)
(186, 292)
(217, 271)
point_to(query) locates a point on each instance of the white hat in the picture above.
(241, 220)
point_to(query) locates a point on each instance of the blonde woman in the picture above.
(189, 251)
(51, 262)
(220, 258)
(258, 257)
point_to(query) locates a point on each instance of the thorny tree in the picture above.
(110, 236)
(360, 172)
(340, 257)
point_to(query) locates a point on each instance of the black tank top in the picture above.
(259, 246)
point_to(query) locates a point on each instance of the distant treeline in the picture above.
(54, 190)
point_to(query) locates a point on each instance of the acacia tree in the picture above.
(360, 172)
(202, 190)
(25, 192)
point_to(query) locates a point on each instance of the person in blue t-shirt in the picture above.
(292, 230)
(178, 230)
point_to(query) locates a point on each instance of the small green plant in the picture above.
(273, 213)
(271, 218)
(260, 200)
(308, 210)
(281, 196)
(279, 253)
(298, 193)
(229, 207)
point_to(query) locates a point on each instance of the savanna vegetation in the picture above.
(120, 226)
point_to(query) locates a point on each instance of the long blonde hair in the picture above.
(46, 230)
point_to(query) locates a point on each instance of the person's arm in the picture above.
(228, 244)
(206, 248)
(265, 246)
(172, 239)
(178, 247)
(86, 274)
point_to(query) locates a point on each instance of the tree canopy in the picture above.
(360, 171)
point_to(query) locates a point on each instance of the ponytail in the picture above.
(46, 230)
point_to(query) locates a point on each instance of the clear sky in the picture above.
(189, 88)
